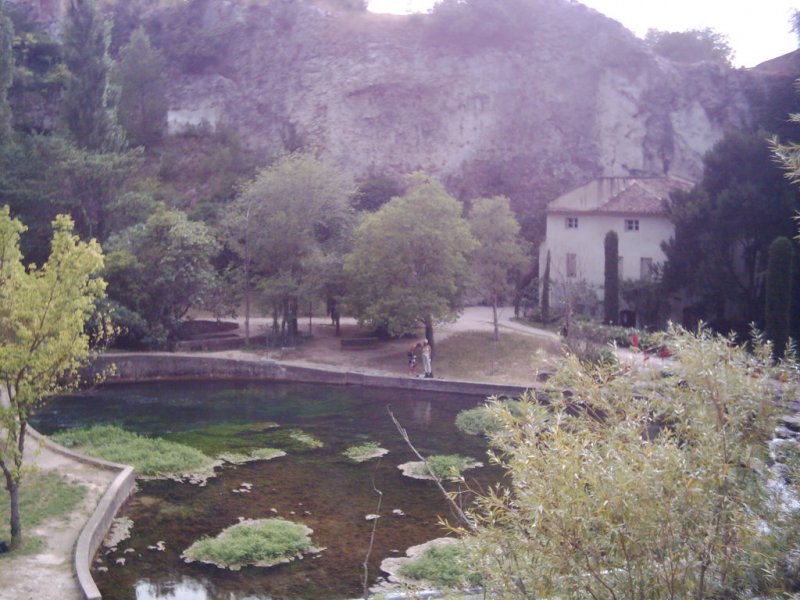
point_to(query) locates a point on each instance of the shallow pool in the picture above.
(319, 488)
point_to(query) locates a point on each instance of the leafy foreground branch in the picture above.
(632, 488)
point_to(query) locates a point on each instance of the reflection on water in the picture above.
(317, 487)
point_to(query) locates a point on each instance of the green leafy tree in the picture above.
(745, 196)
(375, 191)
(290, 225)
(43, 314)
(624, 490)
(693, 45)
(779, 294)
(500, 255)
(611, 279)
(409, 265)
(86, 110)
(157, 270)
(6, 71)
(142, 106)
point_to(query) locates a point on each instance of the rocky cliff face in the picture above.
(581, 97)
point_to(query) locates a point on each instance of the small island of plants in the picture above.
(443, 466)
(258, 543)
(364, 452)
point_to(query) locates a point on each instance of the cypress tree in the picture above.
(611, 273)
(143, 102)
(6, 71)
(546, 290)
(777, 309)
(85, 107)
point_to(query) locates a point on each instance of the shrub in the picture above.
(261, 543)
(596, 508)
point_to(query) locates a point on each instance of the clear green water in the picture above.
(319, 488)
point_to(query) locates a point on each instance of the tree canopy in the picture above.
(86, 109)
(291, 225)
(500, 255)
(142, 106)
(745, 196)
(157, 270)
(693, 45)
(409, 261)
(43, 313)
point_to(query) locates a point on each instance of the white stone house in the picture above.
(578, 221)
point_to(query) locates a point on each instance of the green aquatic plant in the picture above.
(260, 454)
(219, 438)
(305, 439)
(364, 452)
(443, 466)
(149, 456)
(483, 421)
(443, 565)
(260, 543)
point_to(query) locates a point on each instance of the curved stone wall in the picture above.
(127, 367)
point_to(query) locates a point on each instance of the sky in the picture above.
(757, 30)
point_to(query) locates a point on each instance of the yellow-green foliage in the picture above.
(636, 485)
(262, 542)
(43, 315)
(149, 456)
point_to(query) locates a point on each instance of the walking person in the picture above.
(426, 359)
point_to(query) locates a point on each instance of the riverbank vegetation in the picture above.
(633, 485)
(151, 457)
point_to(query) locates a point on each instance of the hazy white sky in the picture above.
(757, 30)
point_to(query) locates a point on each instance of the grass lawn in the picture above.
(43, 495)
(474, 355)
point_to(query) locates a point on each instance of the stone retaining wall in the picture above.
(127, 367)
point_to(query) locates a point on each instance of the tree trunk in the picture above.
(15, 522)
(494, 316)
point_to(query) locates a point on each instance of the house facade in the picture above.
(578, 221)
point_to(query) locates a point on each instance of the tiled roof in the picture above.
(620, 195)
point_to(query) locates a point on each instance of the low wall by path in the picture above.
(99, 522)
(150, 366)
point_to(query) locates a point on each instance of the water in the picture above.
(322, 489)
